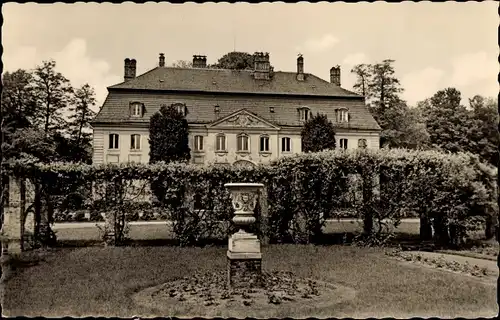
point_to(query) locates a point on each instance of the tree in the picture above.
(18, 103)
(52, 92)
(182, 64)
(401, 126)
(405, 128)
(79, 126)
(363, 78)
(447, 121)
(235, 61)
(483, 134)
(384, 86)
(318, 133)
(168, 136)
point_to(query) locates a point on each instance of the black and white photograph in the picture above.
(249, 160)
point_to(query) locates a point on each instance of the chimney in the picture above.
(130, 69)
(161, 60)
(261, 66)
(199, 61)
(300, 68)
(335, 75)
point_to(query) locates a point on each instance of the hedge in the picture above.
(453, 192)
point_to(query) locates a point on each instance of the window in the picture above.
(304, 113)
(135, 142)
(286, 144)
(343, 143)
(181, 108)
(113, 141)
(137, 109)
(264, 144)
(220, 142)
(362, 143)
(198, 143)
(242, 143)
(342, 115)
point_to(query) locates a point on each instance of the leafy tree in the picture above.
(483, 133)
(182, 64)
(318, 133)
(405, 128)
(235, 61)
(168, 136)
(20, 139)
(52, 93)
(383, 86)
(79, 126)
(401, 126)
(363, 79)
(18, 103)
(447, 121)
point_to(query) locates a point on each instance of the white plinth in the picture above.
(243, 245)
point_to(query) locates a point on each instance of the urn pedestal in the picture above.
(244, 255)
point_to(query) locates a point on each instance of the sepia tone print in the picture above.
(249, 160)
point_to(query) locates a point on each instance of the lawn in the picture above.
(97, 281)
(75, 232)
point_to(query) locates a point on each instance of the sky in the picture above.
(434, 45)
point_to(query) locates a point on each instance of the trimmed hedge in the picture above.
(449, 190)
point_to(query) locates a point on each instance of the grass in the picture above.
(97, 281)
(162, 231)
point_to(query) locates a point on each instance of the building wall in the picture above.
(102, 154)
(209, 154)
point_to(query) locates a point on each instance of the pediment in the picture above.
(243, 119)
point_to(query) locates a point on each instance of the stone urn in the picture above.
(244, 254)
(244, 198)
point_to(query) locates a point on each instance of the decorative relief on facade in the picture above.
(243, 120)
(243, 164)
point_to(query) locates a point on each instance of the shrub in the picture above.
(318, 133)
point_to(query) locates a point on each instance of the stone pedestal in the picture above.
(11, 229)
(244, 254)
(245, 272)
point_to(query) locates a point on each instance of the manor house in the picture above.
(235, 116)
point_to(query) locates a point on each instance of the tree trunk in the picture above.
(367, 208)
(425, 229)
(441, 232)
(490, 227)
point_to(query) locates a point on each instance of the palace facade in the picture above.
(234, 116)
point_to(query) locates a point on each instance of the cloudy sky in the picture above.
(435, 45)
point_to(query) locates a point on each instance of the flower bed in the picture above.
(441, 262)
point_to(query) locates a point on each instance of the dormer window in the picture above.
(342, 115)
(181, 108)
(136, 109)
(304, 113)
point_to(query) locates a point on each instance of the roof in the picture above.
(200, 109)
(231, 81)
(231, 90)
